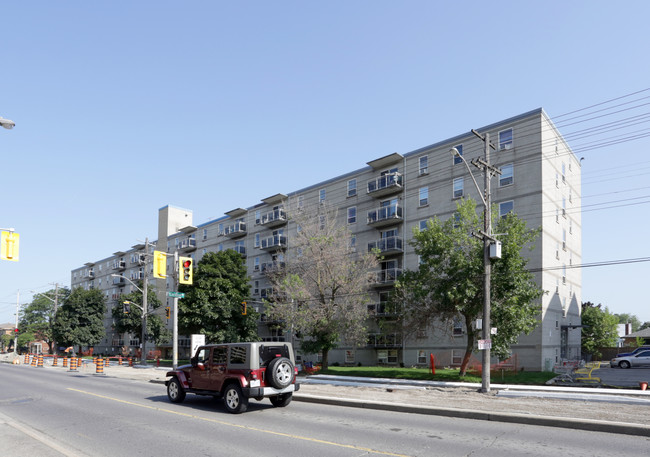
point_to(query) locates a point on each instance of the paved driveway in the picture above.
(619, 377)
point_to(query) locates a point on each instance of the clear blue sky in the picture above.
(123, 107)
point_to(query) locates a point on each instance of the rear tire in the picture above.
(280, 401)
(234, 400)
(175, 391)
(624, 364)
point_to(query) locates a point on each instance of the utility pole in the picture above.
(175, 320)
(145, 305)
(15, 333)
(488, 239)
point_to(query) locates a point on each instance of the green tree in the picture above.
(132, 322)
(212, 305)
(38, 316)
(80, 320)
(625, 318)
(645, 325)
(321, 293)
(447, 288)
(7, 342)
(599, 329)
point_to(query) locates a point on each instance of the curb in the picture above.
(547, 421)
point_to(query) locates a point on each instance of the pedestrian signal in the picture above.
(159, 264)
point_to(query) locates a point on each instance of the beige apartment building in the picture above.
(382, 203)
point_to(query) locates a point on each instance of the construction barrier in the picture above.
(80, 362)
(26, 359)
(40, 361)
(99, 366)
(130, 362)
(55, 361)
(106, 362)
(73, 364)
(65, 362)
(34, 360)
(119, 360)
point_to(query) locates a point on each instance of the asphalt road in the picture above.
(49, 412)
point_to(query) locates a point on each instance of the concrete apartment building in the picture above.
(382, 203)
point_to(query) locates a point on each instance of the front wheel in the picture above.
(175, 391)
(280, 401)
(624, 364)
(234, 400)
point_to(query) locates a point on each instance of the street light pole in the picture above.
(145, 306)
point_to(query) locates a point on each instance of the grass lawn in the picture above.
(448, 375)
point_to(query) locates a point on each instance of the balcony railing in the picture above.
(188, 244)
(119, 265)
(274, 242)
(119, 281)
(271, 266)
(385, 215)
(235, 230)
(274, 218)
(381, 309)
(388, 245)
(388, 276)
(385, 185)
(385, 340)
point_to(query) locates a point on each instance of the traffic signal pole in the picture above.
(145, 306)
(175, 321)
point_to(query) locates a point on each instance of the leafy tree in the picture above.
(212, 305)
(132, 322)
(80, 320)
(38, 316)
(645, 325)
(599, 329)
(321, 292)
(448, 285)
(625, 318)
(7, 341)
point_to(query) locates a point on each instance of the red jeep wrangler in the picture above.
(237, 372)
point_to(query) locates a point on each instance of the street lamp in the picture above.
(7, 123)
(487, 238)
(145, 311)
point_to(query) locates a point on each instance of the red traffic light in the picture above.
(187, 264)
(15, 330)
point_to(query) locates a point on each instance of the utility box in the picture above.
(495, 250)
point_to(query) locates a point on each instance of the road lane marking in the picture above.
(245, 427)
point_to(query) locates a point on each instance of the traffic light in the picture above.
(185, 270)
(244, 311)
(9, 242)
(126, 307)
(168, 312)
(15, 331)
(159, 264)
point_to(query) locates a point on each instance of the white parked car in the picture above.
(637, 360)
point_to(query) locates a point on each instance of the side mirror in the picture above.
(194, 361)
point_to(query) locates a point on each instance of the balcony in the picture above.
(274, 218)
(381, 309)
(119, 282)
(89, 275)
(387, 246)
(386, 215)
(385, 185)
(119, 265)
(268, 267)
(388, 340)
(387, 276)
(235, 230)
(188, 244)
(274, 243)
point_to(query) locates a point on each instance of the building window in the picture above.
(422, 357)
(458, 327)
(458, 158)
(257, 240)
(258, 217)
(352, 188)
(353, 243)
(507, 175)
(205, 234)
(321, 195)
(424, 196)
(505, 139)
(458, 187)
(563, 172)
(505, 208)
(352, 215)
(424, 165)
(220, 247)
(256, 266)
(301, 202)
